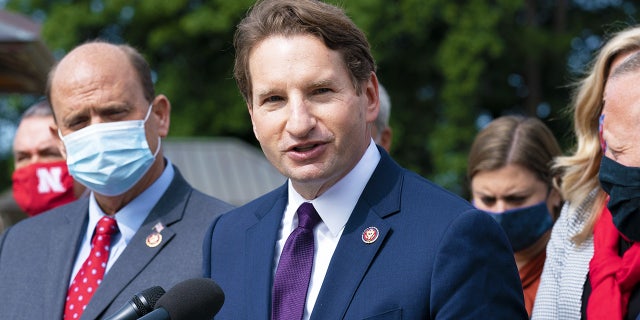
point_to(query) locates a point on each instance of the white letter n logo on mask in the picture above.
(42, 186)
(50, 180)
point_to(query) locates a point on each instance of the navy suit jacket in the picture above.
(37, 255)
(436, 256)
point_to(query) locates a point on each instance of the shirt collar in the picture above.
(132, 215)
(336, 204)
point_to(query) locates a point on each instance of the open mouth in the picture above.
(304, 148)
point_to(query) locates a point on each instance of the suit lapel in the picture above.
(137, 255)
(259, 251)
(352, 257)
(65, 240)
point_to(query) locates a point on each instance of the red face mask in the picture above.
(42, 186)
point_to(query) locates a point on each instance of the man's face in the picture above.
(33, 142)
(621, 129)
(92, 94)
(96, 84)
(306, 114)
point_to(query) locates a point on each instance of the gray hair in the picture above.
(382, 121)
(39, 109)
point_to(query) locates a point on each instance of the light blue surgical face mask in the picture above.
(109, 158)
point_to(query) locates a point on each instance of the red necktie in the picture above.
(294, 268)
(90, 274)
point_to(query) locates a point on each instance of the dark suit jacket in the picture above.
(436, 257)
(37, 255)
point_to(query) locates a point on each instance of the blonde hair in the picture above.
(580, 169)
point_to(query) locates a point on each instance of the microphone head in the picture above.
(145, 301)
(194, 299)
(141, 304)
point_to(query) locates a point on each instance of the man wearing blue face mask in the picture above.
(142, 224)
(511, 179)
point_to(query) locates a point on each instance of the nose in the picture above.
(301, 119)
(501, 206)
(95, 118)
(35, 159)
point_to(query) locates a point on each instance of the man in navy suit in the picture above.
(109, 125)
(390, 244)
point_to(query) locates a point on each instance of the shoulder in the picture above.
(415, 207)
(257, 207)
(420, 194)
(180, 191)
(31, 242)
(198, 198)
(414, 192)
(54, 220)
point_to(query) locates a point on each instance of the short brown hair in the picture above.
(301, 17)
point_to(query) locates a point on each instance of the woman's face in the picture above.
(510, 187)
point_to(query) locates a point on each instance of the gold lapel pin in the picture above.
(370, 235)
(154, 239)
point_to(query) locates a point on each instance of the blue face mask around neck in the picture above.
(109, 158)
(524, 226)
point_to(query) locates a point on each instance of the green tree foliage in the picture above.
(449, 66)
(187, 43)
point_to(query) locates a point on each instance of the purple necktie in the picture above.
(294, 268)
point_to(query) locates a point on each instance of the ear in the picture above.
(370, 91)
(53, 130)
(554, 203)
(385, 138)
(162, 111)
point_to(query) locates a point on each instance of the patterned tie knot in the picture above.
(106, 226)
(308, 217)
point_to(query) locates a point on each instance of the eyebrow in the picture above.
(264, 93)
(314, 84)
(50, 149)
(72, 115)
(100, 110)
(519, 193)
(321, 83)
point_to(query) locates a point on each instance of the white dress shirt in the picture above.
(129, 219)
(334, 207)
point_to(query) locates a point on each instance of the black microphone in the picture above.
(141, 304)
(193, 299)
